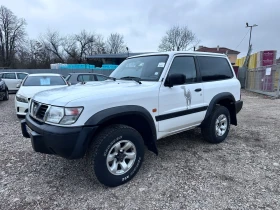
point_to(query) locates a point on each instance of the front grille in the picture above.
(41, 112)
(38, 110)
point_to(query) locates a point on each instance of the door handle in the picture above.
(198, 90)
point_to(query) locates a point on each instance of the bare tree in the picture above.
(115, 43)
(76, 46)
(52, 42)
(32, 54)
(178, 38)
(97, 47)
(12, 34)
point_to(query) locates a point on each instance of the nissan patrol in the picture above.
(148, 97)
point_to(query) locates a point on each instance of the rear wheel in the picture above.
(116, 155)
(6, 96)
(215, 129)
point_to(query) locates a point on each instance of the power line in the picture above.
(242, 39)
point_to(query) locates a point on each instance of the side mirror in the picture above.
(175, 79)
(18, 85)
(68, 83)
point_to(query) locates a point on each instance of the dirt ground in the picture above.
(241, 173)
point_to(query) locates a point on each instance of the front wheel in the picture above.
(115, 155)
(6, 96)
(215, 129)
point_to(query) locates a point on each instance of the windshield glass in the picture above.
(146, 68)
(44, 81)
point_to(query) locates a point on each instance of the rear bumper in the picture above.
(238, 106)
(67, 142)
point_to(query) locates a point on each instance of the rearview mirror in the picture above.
(175, 79)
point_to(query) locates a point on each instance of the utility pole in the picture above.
(247, 26)
(127, 51)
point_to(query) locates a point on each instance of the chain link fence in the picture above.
(264, 80)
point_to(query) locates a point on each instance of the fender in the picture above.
(108, 114)
(231, 106)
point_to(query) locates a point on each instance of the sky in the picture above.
(144, 22)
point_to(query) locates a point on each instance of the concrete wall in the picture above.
(64, 72)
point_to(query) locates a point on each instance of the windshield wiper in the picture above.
(136, 79)
(112, 78)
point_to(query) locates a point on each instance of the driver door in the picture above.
(181, 106)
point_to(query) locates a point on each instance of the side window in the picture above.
(214, 68)
(21, 75)
(84, 78)
(9, 76)
(100, 78)
(184, 65)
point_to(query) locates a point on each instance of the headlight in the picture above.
(55, 114)
(64, 116)
(71, 115)
(21, 98)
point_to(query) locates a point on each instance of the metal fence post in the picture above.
(278, 86)
(246, 79)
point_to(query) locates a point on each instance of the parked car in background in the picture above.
(74, 78)
(12, 79)
(33, 84)
(4, 92)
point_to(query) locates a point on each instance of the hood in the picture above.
(62, 96)
(30, 91)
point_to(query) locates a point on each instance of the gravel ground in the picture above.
(241, 173)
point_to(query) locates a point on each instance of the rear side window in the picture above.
(21, 75)
(214, 68)
(9, 76)
(100, 78)
(85, 78)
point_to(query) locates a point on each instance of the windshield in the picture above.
(146, 68)
(43, 81)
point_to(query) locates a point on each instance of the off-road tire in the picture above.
(96, 157)
(208, 128)
(6, 96)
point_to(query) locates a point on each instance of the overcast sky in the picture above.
(144, 22)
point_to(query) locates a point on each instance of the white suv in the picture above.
(148, 97)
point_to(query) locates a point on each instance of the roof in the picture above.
(121, 55)
(215, 50)
(2, 72)
(172, 53)
(43, 74)
(87, 73)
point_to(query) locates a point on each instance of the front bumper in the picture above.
(67, 142)
(21, 108)
(238, 106)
